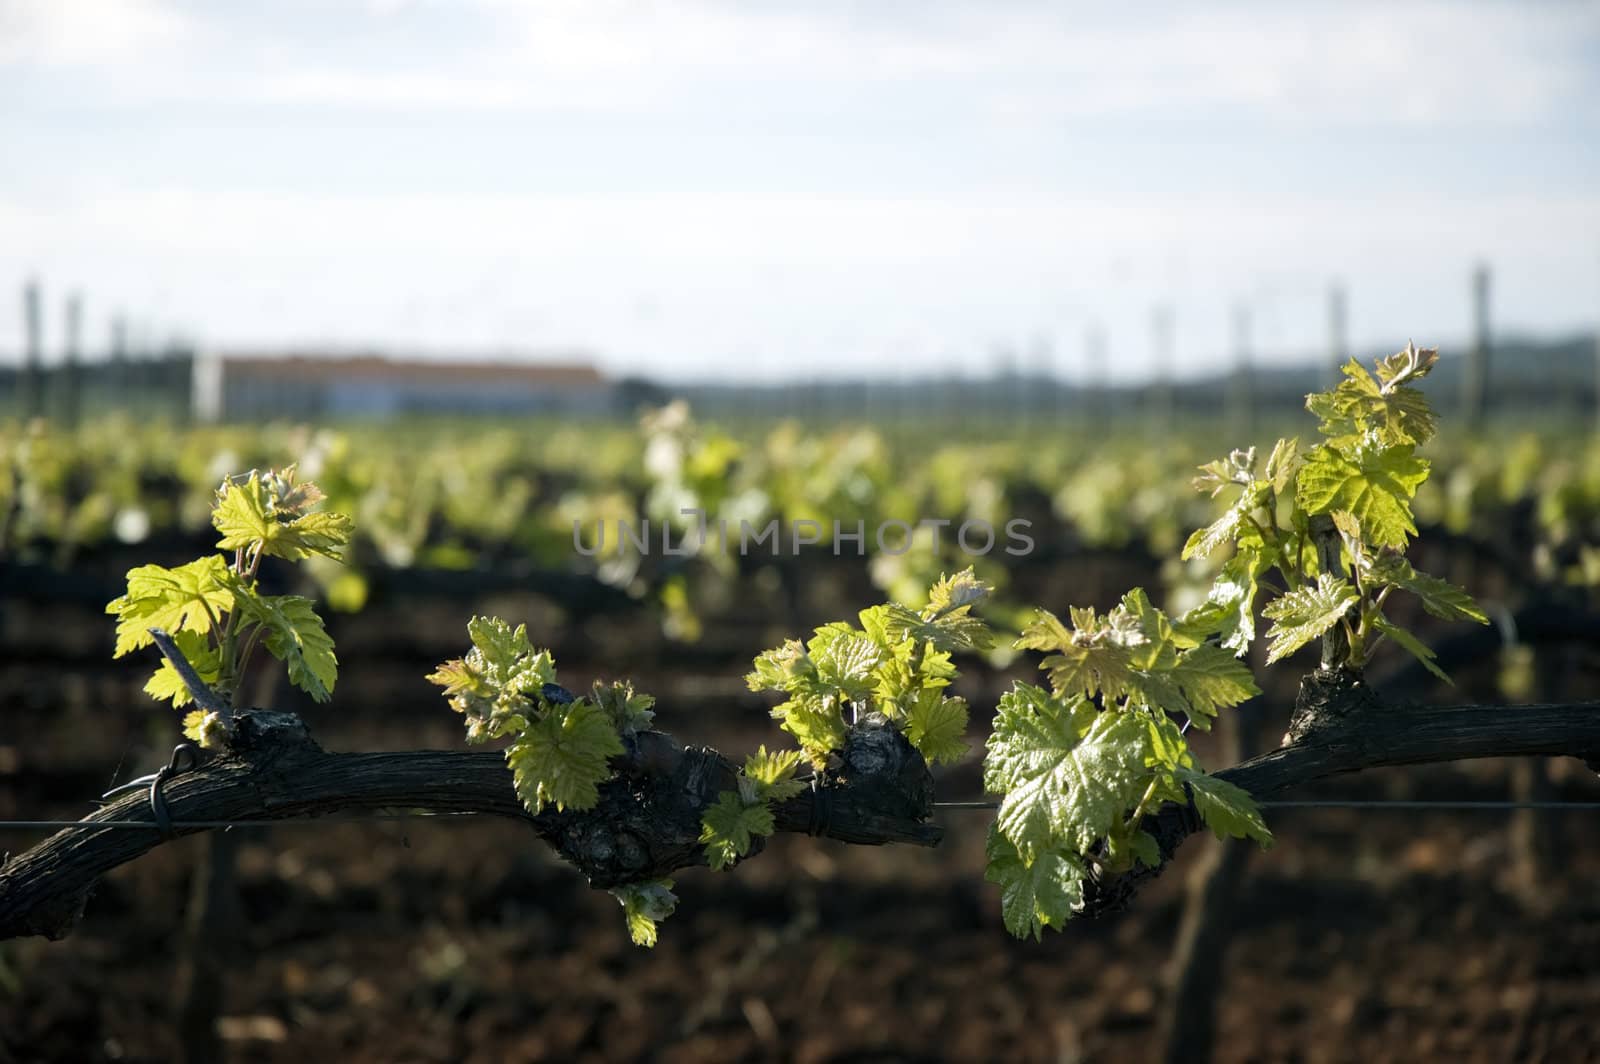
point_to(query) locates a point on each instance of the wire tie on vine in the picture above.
(185, 757)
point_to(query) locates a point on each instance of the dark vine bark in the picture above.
(1340, 725)
(647, 823)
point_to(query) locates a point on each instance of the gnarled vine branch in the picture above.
(646, 825)
(1340, 725)
(648, 821)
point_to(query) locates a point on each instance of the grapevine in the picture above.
(1089, 766)
(1078, 764)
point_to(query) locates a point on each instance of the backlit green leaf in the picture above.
(1439, 597)
(562, 757)
(1066, 771)
(937, 725)
(1375, 484)
(644, 905)
(293, 633)
(1300, 616)
(184, 599)
(728, 827)
(248, 517)
(1034, 894)
(1228, 810)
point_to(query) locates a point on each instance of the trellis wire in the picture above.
(1354, 803)
(151, 825)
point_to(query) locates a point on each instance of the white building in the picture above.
(253, 387)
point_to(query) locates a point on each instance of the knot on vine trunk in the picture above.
(262, 731)
(646, 824)
(1330, 701)
(882, 770)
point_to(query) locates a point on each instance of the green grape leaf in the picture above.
(1146, 849)
(293, 633)
(1375, 485)
(1413, 646)
(1038, 894)
(644, 905)
(287, 497)
(1229, 609)
(773, 773)
(241, 512)
(815, 723)
(1227, 810)
(1238, 468)
(845, 659)
(1044, 632)
(875, 622)
(167, 685)
(507, 658)
(1211, 678)
(207, 729)
(1139, 625)
(1384, 405)
(727, 827)
(1439, 597)
(1228, 527)
(936, 726)
(1412, 363)
(185, 599)
(247, 516)
(1168, 749)
(1067, 772)
(562, 757)
(628, 711)
(786, 668)
(1300, 616)
(958, 630)
(1283, 464)
(1097, 655)
(957, 592)
(1349, 529)
(492, 684)
(491, 713)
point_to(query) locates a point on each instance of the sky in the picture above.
(760, 190)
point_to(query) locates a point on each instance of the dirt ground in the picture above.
(1370, 936)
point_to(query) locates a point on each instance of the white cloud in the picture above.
(1376, 62)
(1379, 63)
(69, 33)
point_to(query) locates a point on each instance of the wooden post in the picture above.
(1475, 379)
(117, 372)
(1162, 337)
(1240, 391)
(1046, 383)
(1005, 389)
(33, 347)
(1338, 329)
(1095, 363)
(72, 350)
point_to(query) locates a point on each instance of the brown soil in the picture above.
(1371, 936)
